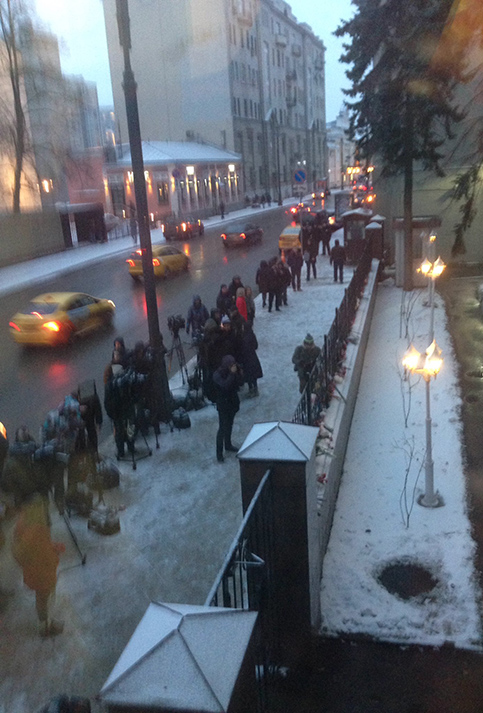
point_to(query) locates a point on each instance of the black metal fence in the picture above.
(318, 391)
(245, 582)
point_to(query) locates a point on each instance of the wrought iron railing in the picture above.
(318, 390)
(245, 582)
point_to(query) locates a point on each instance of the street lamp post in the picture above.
(160, 380)
(432, 270)
(428, 365)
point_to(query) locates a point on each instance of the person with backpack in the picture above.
(263, 278)
(295, 261)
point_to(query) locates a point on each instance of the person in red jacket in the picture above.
(241, 303)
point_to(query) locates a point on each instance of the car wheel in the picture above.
(107, 319)
(136, 278)
(202, 230)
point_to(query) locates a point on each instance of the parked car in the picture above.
(242, 234)
(53, 319)
(167, 260)
(182, 229)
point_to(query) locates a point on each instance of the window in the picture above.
(251, 108)
(241, 38)
(162, 191)
(238, 107)
(234, 106)
(245, 107)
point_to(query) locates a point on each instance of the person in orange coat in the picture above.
(38, 557)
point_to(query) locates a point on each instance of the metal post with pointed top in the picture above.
(160, 379)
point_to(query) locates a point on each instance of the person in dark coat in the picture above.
(263, 279)
(120, 348)
(224, 300)
(216, 314)
(226, 380)
(197, 316)
(285, 279)
(222, 210)
(230, 341)
(210, 355)
(337, 259)
(252, 369)
(295, 262)
(326, 233)
(304, 358)
(311, 252)
(233, 287)
(274, 286)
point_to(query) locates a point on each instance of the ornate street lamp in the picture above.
(432, 270)
(428, 365)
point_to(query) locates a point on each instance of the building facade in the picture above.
(242, 75)
(182, 178)
(340, 151)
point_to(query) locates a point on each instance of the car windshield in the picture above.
(41, 308)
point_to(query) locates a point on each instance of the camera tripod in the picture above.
(177, 348)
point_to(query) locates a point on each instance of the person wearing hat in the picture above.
(304, 358)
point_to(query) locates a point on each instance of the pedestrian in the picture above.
(250, 304)
(38, 557)
(326, 232)
(133, 225)
(210, 356)
(304, 358)
(269, 199)
(233, 287)
(216, 315)
(295, 261)
(262, 200)
(241, 303)
(310, 256)
(230, 341)
(114, 404)
(337, 259)
(222, 209)
(120, 347)
(285, 279)
(274, 286)
(224, 300)
(263, 279)
(196, 318)
(252, 369)
(227, 379)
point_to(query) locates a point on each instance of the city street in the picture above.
(42, 377)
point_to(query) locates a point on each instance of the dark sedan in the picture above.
(242, 234)
(182, 229)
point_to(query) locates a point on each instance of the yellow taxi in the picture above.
(52, 319)
(167, 260)
(289, 238)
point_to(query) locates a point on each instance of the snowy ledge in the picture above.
(334, 429)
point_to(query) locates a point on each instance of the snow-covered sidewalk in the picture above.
(378, 521)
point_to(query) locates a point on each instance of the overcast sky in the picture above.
(80, 26)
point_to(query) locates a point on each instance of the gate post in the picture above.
(288, 449)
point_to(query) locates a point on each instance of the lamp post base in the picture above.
(434, 501)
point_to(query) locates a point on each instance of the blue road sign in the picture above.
(300, 176)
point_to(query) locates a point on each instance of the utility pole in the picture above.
(160, 380)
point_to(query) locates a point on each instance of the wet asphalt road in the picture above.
(343, 676)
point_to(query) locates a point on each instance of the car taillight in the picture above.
(183, 227)
(51, 326)
(14, 326)
(223, 235)
(139, 252)
(293, 210)
(332, 220)
(242, 235)
(156, 262)
(130, 262)
(162, 227)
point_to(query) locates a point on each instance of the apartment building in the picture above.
(340, 151)
(242, 75)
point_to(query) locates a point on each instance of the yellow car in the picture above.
(167, 260)
(53, 319)
(289, 238)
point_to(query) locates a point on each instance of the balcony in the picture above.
(291, 101)
(281, 40)
(296, 50)
(291, 75)
(319, 63)
(244, 15)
